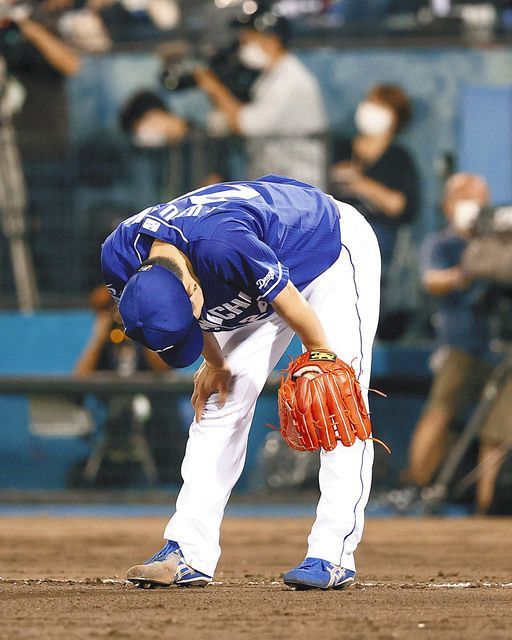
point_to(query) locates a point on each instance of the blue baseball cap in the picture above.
(157, 312)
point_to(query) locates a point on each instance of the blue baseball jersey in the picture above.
(245, 240)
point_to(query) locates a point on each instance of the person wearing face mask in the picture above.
(460, 364)
(150, 123)
(146, 117)
(375, 174)
(285, 117)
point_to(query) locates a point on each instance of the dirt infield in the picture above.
(429, 579)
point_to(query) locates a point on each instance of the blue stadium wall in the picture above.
(51, 342)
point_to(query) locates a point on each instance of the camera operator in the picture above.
(460, 365)
(40, 60)
(28, 49)
(109, 349)
(13, 194)
(286, 104)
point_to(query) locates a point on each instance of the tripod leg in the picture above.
(92, 466)
(141, 446)
(24, 276)
(439, 490)
(12, 209)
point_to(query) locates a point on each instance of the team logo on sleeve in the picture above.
(151, 225)
(263, 282)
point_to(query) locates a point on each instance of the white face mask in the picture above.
(149, 137)
(13, 98)
(465, 214)
(254, 56)
(86, 30)
(373, 119)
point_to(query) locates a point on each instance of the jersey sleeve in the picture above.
(117, 269)
(244, 261)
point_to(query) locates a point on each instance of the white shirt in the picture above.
(285, 109)
(286, 99)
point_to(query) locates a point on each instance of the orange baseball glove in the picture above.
(320, 404)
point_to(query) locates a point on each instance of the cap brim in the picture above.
(187, 351)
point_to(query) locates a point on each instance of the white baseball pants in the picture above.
(346, 299)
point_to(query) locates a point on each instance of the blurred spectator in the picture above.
(39, 59)
(110, 350)
(30, 50)
(380, 179)
(373, 173)
(135, 20)
(146, 117)
(83, 27)
(150, 123)
(285, 112)
(460, 365)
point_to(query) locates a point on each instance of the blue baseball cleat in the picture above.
(165, 568)
(315, 573)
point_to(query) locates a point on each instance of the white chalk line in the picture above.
(63, 581)
(435, 585)
(264, 583)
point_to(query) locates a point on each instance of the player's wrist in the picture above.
(216, 366)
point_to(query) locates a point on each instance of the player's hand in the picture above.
(207, 380)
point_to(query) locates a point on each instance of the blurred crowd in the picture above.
(266, 115)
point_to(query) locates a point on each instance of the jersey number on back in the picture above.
(198, 200)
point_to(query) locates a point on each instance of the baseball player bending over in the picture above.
(232, 271)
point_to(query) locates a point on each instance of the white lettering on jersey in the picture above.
(249, 319)
(168, 212)
(218, 312)
(207, 324)
(263, 282)
(190, 212)
(279, 276)
(171, 211)
(236, 191)
(138, 217)
(237, 306)
(215, 317)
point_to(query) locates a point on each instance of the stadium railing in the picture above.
(77, 193)
(106, 431)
